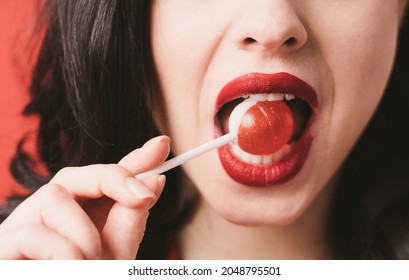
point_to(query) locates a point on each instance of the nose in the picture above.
(268, 26)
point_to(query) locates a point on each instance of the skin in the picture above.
(83, 211)
(344, 49)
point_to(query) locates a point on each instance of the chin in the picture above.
(268, 211)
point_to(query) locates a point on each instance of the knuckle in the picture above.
(62, 173)
(118, 169)
(70, 251)
(30, 229)
(53, 190)
(114, 172)
(62, 248)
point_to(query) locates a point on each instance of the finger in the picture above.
(123, 232)
(111, 180)
(152, 154)
(125, 227)
(156, 184)
(116, 181)
(42, 244)
(53, 207)
(158, 155)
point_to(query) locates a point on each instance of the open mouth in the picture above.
(255, 169)
(301, 113)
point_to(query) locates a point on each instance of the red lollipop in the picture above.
(265, 127)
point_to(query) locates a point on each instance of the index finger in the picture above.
(115, 180)
(152, 154)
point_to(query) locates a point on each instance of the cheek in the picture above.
(182, 40)
(359, 86)
(359, 53)
(175, 80)
(181, 52)
(359, 47)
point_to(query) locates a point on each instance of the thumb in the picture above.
(125, 227)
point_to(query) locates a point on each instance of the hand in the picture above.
(92, 212)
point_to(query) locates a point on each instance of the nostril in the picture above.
(249, 40)
(291, 41)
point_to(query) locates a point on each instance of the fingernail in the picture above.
(161, 180)
(161, 183)
(157, 140)
(139, 189)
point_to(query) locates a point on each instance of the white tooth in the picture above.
(267, 159)
(237, 151)
(245, 157)
(289, 97)
(275, 97)
(259, 96)
(246, 96)
(256, 160)
(245, 154)
(261, 159)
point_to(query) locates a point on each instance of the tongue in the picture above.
(263, 127)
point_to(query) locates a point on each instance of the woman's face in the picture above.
(333, 56)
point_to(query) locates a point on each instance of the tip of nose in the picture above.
(270, 29)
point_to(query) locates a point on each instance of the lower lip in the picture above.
(266, 175)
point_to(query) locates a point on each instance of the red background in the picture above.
(17, 19)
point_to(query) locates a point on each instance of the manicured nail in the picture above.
(157, 140)
(161, 180)
(139, 189)
(161, 183)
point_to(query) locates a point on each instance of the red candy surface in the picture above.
(265, 127)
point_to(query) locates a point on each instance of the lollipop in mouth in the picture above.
(263, 128)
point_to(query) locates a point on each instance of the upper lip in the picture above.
(253, 83)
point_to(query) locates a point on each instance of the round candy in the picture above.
(265, 127)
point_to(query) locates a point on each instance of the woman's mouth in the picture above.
(285, 163)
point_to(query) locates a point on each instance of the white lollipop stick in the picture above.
(176, 161)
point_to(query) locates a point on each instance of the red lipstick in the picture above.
(286, 168)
